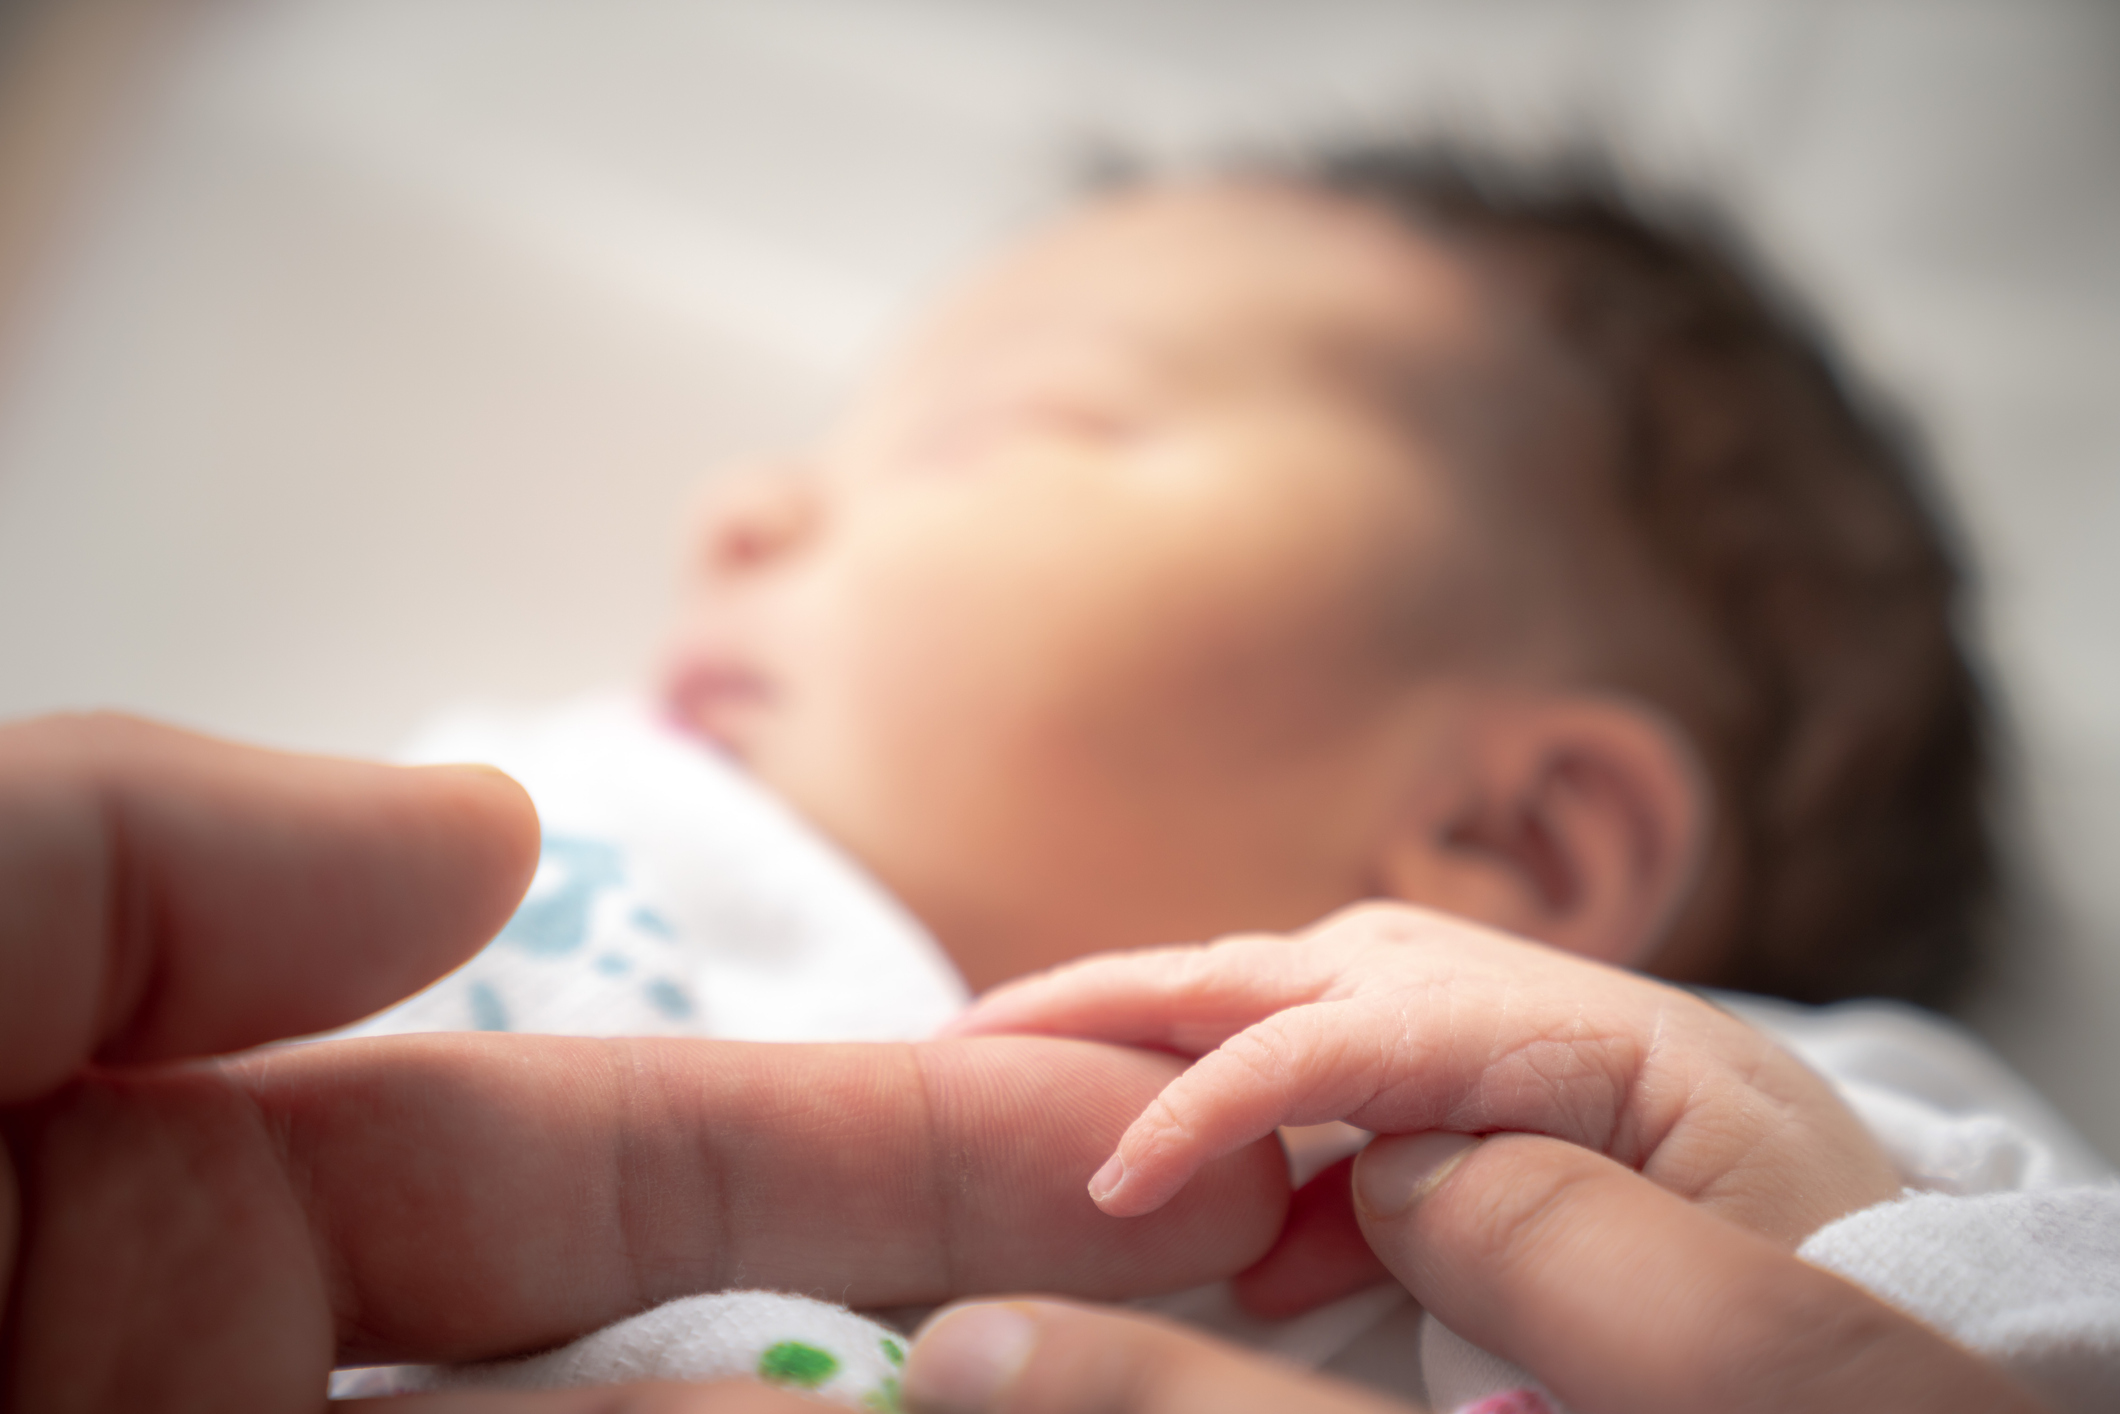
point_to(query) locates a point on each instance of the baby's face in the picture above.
(1092, 625)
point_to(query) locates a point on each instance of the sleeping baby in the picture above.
(1468, 597)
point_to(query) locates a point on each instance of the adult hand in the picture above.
(1622, 1297)
(216, 1234)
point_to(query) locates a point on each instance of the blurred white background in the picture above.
(362, 355)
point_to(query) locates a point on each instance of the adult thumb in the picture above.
(165, 895)
(1623, 1297)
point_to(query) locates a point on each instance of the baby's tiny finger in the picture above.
(1294, 1067)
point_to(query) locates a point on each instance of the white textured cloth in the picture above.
(813, 1346)
(675, 897)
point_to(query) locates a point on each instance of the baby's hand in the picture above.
(1402, 1020)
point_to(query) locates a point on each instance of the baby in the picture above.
(1242, 549)
(1247, 548)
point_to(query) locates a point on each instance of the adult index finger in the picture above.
(163, 894)
(476, 1196)
(460, 1197)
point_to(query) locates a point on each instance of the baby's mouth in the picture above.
(717, 702)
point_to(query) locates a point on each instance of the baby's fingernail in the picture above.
(964, 1360)
(1105, 1181)
(1397, 1171)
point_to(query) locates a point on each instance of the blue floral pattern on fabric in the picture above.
(556, 920)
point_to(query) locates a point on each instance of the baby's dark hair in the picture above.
(1791, 518)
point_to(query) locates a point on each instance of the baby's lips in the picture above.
(715, 700)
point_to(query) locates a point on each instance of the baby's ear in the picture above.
(1576, 819)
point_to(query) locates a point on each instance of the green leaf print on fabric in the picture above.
(793, 1363)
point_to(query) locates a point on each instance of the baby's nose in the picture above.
(751, 519)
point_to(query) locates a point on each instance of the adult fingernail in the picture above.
(1105, 1181)
(477, 768)
(1397, 1171)
(964, 1360)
